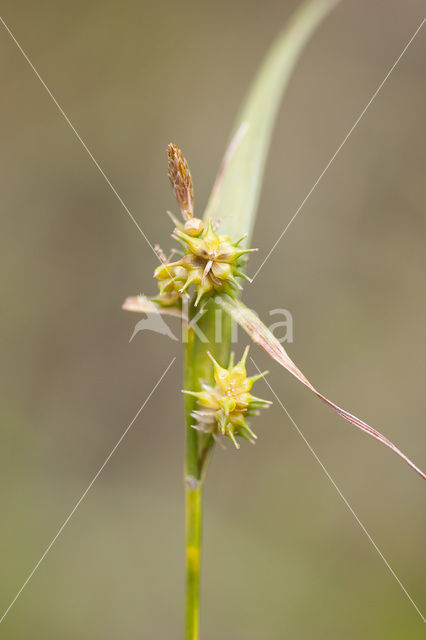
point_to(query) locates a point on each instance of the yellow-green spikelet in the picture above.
(211, 263)
(223, 409)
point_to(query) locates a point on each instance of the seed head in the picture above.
(172, 278)
(222, 409)
(210, 263)
(213, 262)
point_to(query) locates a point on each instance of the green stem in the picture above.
(199, 446)
(193, 545)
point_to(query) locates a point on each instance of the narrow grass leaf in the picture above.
(262, 336)
(236, 191)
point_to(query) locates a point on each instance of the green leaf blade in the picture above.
(236, 192)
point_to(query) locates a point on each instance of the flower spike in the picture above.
(211, 263)
(222, 409)
(181, 180)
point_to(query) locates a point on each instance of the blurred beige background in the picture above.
(283, 557)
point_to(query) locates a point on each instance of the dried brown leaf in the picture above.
(262, 336)
(144, 305)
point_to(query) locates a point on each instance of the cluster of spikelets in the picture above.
(223, 409)
(210, 262)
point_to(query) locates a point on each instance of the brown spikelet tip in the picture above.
(181, 181)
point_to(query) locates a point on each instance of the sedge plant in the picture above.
(206, 273)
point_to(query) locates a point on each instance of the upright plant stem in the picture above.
(193, 514)
(214, 335)
(193, 499)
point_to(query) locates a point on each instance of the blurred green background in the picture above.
(283, 557)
